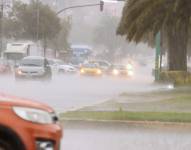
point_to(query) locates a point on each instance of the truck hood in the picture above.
(11, 101)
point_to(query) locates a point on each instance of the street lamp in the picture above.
(1, 26)
(101, 4)
(110, 1)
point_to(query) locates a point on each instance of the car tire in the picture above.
(61, 71)
(4, 145)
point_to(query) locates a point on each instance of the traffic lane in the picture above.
(111, 136)
(73, 91)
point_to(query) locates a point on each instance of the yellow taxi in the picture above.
(90, 69)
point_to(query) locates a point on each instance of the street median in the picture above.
(159, 107)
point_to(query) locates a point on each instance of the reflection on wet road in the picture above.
(124, 137)
(73, 91)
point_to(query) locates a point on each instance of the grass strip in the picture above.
(128, 116)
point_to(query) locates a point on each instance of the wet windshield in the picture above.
(32, 62)
(90, 65)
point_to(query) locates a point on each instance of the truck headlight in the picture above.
(34, 115)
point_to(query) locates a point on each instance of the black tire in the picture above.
(61, 71)
(4, 145)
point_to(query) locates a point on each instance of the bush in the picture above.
(177, 77)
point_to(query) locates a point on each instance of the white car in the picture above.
(54, 64)
(66, 69)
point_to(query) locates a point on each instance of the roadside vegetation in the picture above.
(162, 106)
(128, 116)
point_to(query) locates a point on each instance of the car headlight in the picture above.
(115, 72)
(129, 67)
(82, 71)
(99, 71)
(130, 73)
(34, 115)
(19, 72)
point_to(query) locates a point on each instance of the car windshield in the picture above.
(51, 62)
(32, 62)
(120, 67)
(90, 65)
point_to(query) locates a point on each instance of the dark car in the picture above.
(33, 67)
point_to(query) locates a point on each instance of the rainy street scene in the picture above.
(95, 75)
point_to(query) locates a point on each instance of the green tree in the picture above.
(60, 41)
(143, 17)
(43, 28)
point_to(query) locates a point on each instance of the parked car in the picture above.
(122, 70)
(66, 69)
(33, 67)
(54, 64)
(91, 69)
(28, 125)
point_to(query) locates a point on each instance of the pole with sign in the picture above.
(157, 57)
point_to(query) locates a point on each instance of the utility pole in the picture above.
(38, 20)
(1, 27)
(157, 56)
(37, 23)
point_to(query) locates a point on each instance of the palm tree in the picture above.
(142, 17)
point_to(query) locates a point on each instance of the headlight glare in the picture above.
(82, 71)
(130, 73)
(34, 115)
(115, 72)
(19, 72)
(99, 71)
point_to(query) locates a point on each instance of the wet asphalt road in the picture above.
(111, 136)
(66, 92)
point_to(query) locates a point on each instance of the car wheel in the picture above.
(61, 71)
(5, 145)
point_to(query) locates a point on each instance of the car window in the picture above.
(32, 62)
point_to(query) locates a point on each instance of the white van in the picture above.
(17, 50)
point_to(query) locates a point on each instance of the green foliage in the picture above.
(27, 16)
(143, 19)
(60, 41)
(128, 116)
(23, 23)
(143, 16)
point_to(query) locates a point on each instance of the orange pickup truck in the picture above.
(27, 125)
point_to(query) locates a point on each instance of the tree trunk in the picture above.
(177, 52)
